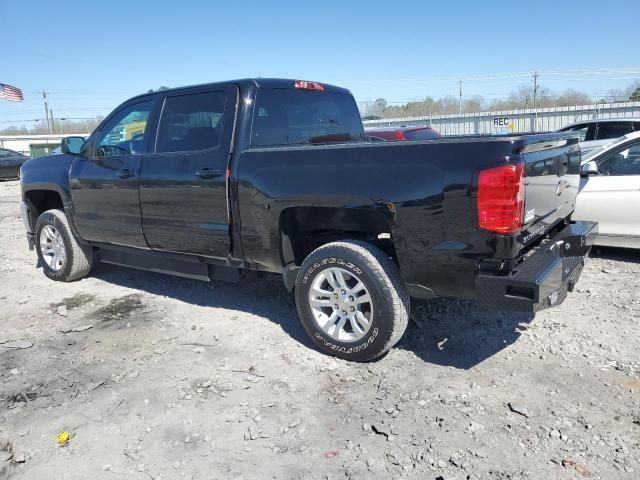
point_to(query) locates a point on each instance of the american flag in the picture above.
(10, 93)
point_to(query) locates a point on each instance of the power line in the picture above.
(509, 75)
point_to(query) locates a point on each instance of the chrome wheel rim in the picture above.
(52, 248)
(341, 304)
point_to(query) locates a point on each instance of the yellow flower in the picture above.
(63, 438)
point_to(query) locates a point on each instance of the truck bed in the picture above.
(420, 193)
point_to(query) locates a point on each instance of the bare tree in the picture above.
(572, 97)
(61, 127)
(521, 98)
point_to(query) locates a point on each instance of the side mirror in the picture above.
(72, 145)
(589, 168)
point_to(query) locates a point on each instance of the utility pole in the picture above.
(535, 101)
(46, 110)
(53, 125)
(460, 97)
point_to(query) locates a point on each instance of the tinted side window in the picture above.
(422, 134)
(296, 117)
(125, 132)
(191, 122)
(4, 152)
(541, 168)
(613, 129)
(580, 129)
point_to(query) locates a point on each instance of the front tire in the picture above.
(351, 300)
(61, 256)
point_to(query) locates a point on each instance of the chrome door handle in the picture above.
(209, 173)
(125, 173)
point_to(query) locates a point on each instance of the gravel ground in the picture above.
(160, 377)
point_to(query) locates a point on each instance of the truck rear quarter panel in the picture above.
(423, 189)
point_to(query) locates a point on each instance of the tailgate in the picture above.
(552, 178)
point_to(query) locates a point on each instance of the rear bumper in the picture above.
(544, 278)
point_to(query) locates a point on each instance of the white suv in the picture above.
(601, 131)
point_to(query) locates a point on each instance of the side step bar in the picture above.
(171, 265)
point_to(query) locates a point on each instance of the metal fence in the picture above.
(510, 121)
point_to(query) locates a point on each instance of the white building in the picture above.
(34, 145)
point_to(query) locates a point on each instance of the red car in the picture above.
(400, 134)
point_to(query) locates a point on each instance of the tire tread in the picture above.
(81, 258)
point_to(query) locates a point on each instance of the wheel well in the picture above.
(306, 228)
(42, 200)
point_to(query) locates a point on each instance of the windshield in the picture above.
(593, 152)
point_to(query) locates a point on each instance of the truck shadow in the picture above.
(456, 333)
(618, 254)
(443, 331)
(263, 296)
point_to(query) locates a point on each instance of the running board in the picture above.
(192, 268)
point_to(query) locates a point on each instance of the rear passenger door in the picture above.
(183, 189)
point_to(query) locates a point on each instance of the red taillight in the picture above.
(305, 85)
(398, 135)
(501, 198)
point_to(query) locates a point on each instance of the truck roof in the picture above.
(270, 83)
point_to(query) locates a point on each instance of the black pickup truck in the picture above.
(275, 176)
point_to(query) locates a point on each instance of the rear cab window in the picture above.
(298, 117)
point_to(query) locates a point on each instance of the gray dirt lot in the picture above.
(177, 379)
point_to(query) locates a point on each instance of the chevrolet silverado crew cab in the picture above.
(275, 176)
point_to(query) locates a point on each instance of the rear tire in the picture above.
(351, 300)
(61, 256)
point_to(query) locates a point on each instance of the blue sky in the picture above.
(90, 57)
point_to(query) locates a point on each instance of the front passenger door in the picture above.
(104, 186)
(612, 197)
